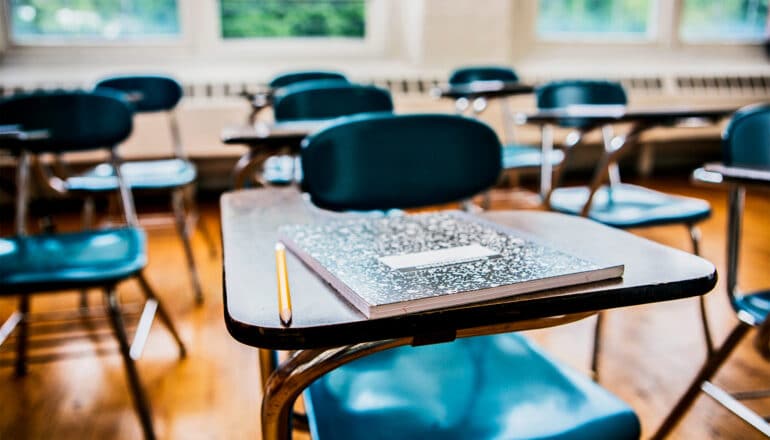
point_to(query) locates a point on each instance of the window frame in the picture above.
(206, 42)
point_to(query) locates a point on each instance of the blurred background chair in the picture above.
(289, 78)
(262, 100)
(175, 176)
(616, 204)
(482, 387)
(746, 144)
(319, 99)
(516, 156)
(48, 262)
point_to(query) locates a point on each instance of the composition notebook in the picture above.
(395, 265)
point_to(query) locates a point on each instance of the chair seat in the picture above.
(527, 156)
(757, 305)
(486, 387)
(630, 206)
(146, 174)
(71, 260)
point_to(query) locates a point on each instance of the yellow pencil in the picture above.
(284, 296)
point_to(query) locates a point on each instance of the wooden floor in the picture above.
(651, 352)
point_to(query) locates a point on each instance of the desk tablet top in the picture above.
(485, 89)
(269, 133)
(321, 318)
(658, 115)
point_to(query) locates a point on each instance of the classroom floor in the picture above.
(650, 352)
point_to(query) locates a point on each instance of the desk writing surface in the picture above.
(486, 89)
(647, 114)
(262, 132)
(322, 318)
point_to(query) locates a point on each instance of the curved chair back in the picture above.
(380, 161)
(74, 120)
(464, 75)
(323, 99)
(290, 78)
(559, 94)
(746, 140)
(147, 93)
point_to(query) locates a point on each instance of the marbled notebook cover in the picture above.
(347, 254)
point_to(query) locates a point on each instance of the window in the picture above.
(725, 20)
(565, 18)
(292, 18)
(33, 20)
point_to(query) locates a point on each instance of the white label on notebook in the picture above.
(441, 257)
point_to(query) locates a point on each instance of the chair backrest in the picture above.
(290, 78)
(74, 120)
(147, 93)
(746, 139)
(559, 94)
(464, 75)
(381, 161)
(322, 99)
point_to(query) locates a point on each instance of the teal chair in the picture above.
(498, 386)
(325, 99)
(175, 176)
(319, 99)
(293, 77)
(262, 100)
(516, 156)
(30, 264)
(746, 144)
(616, 204)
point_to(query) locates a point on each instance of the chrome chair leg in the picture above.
(707, 371)
(162, 313)
(87, 222)
(22, 336)
(597, 351)
(140, 399)
(695, 236)
(177, 201)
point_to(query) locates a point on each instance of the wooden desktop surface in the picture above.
(483, 89)
(321, 318)
(649, 115)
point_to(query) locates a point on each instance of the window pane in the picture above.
(93, 19)
(593, 17)
(710, 20)
(292, 18)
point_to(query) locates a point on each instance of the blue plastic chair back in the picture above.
(74, 120)
(464, 75)
(147, 93)
(558, 94)
(290, 78)
(382, 161)
(746, 140)
(323, 99)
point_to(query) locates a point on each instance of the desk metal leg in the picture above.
(291, 378)
(246, 166)
(546, 168)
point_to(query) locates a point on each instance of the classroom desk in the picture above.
(266, 139)
(641, 119)
(328, 332)
(482, 89)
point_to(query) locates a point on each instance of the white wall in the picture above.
(407, 39)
